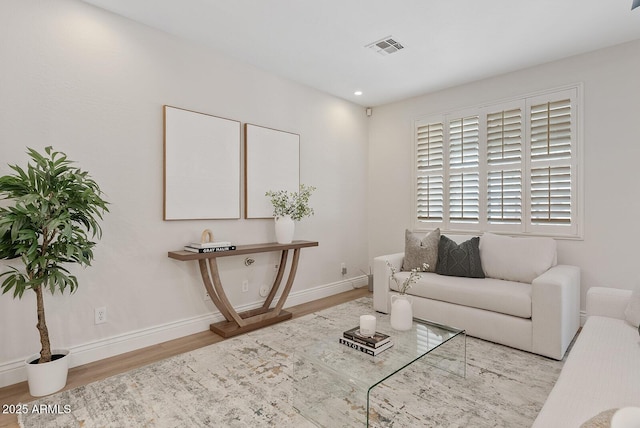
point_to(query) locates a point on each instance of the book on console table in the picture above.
(209, 250)
(374, 341)
(366, 349)
(210, 244)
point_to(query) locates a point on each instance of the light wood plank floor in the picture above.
(82, 375)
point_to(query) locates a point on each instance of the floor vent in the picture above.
(385, 46)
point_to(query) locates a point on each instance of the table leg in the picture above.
(237, 323)
(278, 280)
(208, 285)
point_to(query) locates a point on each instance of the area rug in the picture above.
(247, 381)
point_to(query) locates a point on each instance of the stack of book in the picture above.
(209, 247)
(371, 345)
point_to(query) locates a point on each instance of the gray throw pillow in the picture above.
(419, 250)
(459, 260)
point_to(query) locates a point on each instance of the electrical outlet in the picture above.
(100, 315)
(245, 286)
(344, 268)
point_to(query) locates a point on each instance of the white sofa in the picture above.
(602, 370)
(541, 317)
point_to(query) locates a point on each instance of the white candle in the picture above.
(367, 325)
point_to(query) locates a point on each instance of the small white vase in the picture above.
(401, 312)
(285, 226)
(47, 378)
(626, 417)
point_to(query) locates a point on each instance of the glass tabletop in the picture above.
(367, 370)
(329, 374)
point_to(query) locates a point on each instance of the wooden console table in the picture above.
(238, 323)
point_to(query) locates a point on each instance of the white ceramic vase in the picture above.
(47, 378)
(626, 417)
(285, 226)
(401, 312)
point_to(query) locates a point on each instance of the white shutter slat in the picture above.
(464, 142)
(430, 146)
(504, 157)
(504, 197)
(504, 136)
(430, 198)
(551, 155)
(430, 176)
(551, 131)
(464, 158)
(464, 200)
(551, 201)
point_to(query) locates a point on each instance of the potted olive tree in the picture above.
(51, 217)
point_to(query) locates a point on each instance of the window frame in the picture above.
(572, 231)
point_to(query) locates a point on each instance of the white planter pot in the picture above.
(401, 312)
(47, 378)
(285, 226)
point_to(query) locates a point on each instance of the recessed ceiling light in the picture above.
(357, 93)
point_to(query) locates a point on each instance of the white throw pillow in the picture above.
(632, 312)
(516, 259)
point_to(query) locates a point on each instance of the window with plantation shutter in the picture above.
(504, 166)
(430, 171)
(551, 159)
(510, 167)
(551, 131)
(504, 197)
(464, 161)
(464, 199)
(551, 195)
(464, 151)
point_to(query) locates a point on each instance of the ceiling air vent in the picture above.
(385, 46)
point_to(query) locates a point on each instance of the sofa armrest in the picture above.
(555, 311)
(381, 275)
(607, 302)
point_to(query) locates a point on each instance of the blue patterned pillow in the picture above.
(459, 260)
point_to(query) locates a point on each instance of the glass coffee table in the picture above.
(335, 385)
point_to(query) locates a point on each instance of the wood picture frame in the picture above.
(201, 166)
(272, 162)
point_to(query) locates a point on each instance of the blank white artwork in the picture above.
(202, 166)
(272, 162)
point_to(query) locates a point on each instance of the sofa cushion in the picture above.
(516, 259)
(419, 250)
(506, 297)
(459, 259)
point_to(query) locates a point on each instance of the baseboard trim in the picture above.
(14, 372)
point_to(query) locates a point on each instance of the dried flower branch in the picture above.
(407, 283)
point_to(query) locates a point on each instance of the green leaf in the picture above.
(54, 209)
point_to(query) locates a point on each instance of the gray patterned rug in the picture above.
(247, 382)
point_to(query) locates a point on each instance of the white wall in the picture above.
(92, 84)
(609, 252)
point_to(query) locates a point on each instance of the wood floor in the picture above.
(98, 370)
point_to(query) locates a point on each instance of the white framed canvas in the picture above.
(201, 166)
(272, 162)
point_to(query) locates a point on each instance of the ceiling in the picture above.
(445, 42)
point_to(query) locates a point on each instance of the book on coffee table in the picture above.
(375, 341)
(366, 349)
